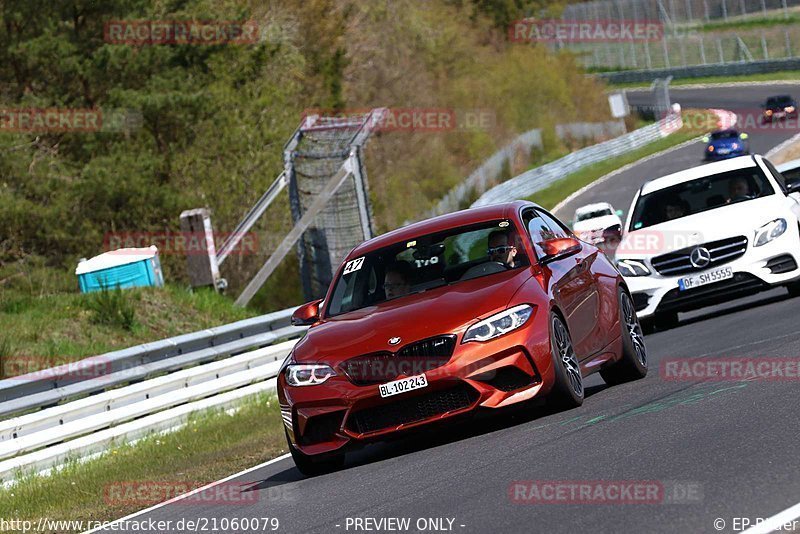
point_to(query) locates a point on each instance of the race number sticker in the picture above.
(353, 265)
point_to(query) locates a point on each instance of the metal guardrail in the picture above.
(719, 69)
(528, 183)
(482, 178)
(58, 384)
(49, 437)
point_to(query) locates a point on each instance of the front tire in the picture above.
(567, 391)
(633, 363)
(666, 320)
(659, 322)
(311, 467)
(794, 289)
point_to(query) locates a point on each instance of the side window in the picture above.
(538, 230)
(778, 176)
(556, 227)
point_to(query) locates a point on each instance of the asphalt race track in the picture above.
(721, 450)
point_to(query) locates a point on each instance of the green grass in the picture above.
(212, 446)
(44, 321)
(765, 77)
(557, 192)
(750, 23)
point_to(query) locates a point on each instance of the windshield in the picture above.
(699, 195)
(729, 134)
(592, 214)
(779, 100)
(427, 262)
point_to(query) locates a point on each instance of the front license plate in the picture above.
(404, 384)
(705, 278)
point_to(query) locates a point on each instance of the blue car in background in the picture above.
(724, 144)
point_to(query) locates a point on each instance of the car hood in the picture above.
(742, 218)
(443, 310)
(598, 223)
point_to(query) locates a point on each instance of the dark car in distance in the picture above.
(779, 107)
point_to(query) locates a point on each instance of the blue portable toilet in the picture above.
(123, 268)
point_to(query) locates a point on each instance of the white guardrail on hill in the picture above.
(529, 182)
(200, 375)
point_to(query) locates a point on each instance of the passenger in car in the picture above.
(397, 281)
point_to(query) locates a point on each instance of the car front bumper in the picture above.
(328, 417)
(716, 156)
(760, 268)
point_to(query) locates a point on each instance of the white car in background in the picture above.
(710, 234)
(595, 223)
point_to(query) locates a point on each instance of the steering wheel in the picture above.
(739, 198)
(482, 269)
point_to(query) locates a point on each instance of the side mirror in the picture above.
(558, 248)
(307, 314)
(793, 187)
(619, 213)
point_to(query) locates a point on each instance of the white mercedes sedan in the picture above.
(710, 234)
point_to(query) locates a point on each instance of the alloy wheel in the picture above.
(633, 329)
(567, 356)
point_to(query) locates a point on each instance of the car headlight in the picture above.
(308, 374)
(769, 231)
(632, 268)
(499, 324)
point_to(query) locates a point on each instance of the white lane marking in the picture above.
(776, 521)
(613, 173)
(189, 494)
